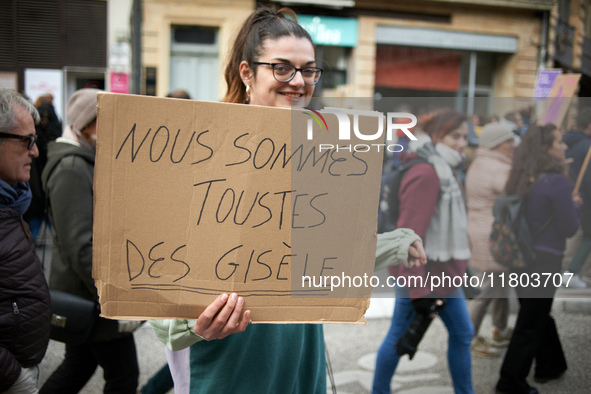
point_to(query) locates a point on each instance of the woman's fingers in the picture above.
(416, 254)
(244, 322)
(207, 316)
(222, 317)
(231, 316)
(235, 324)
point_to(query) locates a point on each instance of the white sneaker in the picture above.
(574, 282)
(481, 348)
(501, 338)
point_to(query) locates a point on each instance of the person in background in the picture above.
(538, 174)
(578, 142)
(68, 181)
(180, 94)
(527, 117)
(479, 120)
(25, 313)
(514, 121)
(401, 138)
(431, 203)
(48, 129)
(470, 151)
(272, 64)
(485, 181)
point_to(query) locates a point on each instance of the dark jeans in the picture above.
(160, 383)
(534, 337)
(117, 357)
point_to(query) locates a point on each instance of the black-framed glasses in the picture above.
(31, 139)
(284, 72)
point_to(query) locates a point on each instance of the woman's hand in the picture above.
(577, 198)
(416, 254)
(222, 318)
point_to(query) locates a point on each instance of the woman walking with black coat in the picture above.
(538, 174)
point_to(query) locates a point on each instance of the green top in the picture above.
(267, 358)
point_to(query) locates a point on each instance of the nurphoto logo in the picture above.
(392, 122)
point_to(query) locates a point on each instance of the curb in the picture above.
(571, 301)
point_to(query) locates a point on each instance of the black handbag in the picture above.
(72, 317)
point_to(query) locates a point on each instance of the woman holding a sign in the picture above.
(272, 64)
(538, 174)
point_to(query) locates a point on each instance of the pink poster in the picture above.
(119, 82)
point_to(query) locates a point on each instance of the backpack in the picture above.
(388, 210)
(511, 241)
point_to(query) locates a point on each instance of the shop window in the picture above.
(424, 70)
(194, 61)
(485, 66)
(335, 62)
(430, 74)
(150, 81)
(194, 35)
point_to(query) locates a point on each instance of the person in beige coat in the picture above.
(485, 181)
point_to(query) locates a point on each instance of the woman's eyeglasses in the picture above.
(31, 139)
(284, 72)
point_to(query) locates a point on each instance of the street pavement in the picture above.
(352, 350)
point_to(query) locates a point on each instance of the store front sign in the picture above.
(332, 31)
(119, 82)
(545, 81)
(39, 82)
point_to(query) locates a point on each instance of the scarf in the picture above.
(17, 196)
(451, 156)
(73, 137)
(447, 234)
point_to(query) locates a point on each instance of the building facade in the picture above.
(53, 46)
(570, 41)
(463, 49)
(370, 48)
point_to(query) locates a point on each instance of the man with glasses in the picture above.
(24, 295)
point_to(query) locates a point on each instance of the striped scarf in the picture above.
(447, 234)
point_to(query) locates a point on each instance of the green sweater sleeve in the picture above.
(392, 247)
(176, 334)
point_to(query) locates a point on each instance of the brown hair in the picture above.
(264, 23)
(531, 158)
(440, 124)
(180, 94)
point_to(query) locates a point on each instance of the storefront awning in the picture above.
(437, 38)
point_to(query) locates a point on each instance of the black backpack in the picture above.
(388, 211)
(511, 241)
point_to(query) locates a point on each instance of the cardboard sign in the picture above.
(560, 98)
(193, 199)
